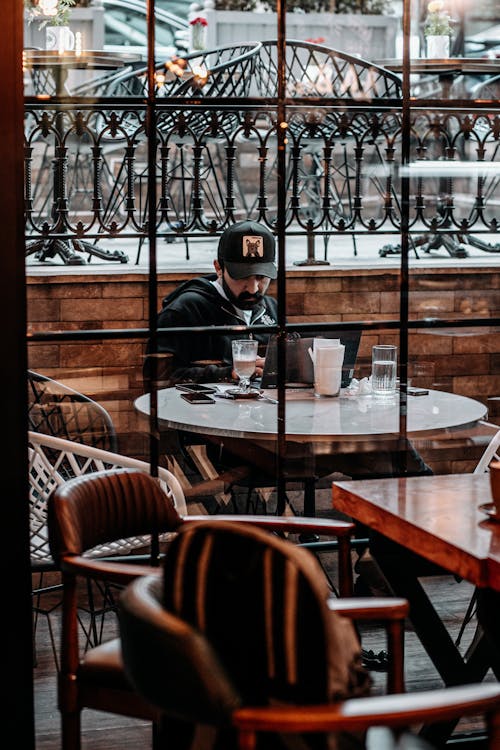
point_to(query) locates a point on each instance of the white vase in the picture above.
(59, 38)
(437, 46)
(198, 36)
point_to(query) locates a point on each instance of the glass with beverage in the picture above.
(384, 367)
(244, 356)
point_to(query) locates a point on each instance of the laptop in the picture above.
(299, 366)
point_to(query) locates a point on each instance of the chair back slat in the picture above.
(262, 604)
(104, 507)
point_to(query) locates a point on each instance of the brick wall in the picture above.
(461, 361)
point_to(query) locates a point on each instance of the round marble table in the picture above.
(318, 431)
(309, 419)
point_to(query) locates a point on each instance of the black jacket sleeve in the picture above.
(197, 357)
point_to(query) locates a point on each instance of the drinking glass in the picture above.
(244, 356)
(384, 366)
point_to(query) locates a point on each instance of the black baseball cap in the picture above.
(247, 248)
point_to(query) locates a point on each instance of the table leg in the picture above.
(402, 570)
(45, 249)
(488, 613)
(452, 243)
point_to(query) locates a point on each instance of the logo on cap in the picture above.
(253, 246)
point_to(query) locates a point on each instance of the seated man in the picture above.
(234, 295)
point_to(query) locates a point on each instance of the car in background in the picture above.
(125, 26)
(485, 43)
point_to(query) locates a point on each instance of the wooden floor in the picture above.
(109, 732)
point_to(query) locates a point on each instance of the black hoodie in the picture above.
(204, 357)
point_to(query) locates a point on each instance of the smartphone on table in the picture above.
(198, 398)
(195, 388)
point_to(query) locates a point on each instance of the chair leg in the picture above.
(71, 730)
(93, 630)
(139, 248)
(47, 613)
(37, 608)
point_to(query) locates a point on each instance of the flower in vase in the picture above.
(198, 31)
(438, 21)
(49, 12)
(199, 20)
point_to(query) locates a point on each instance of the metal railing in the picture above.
(216, 123)
(86, 170)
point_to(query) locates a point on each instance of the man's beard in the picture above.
(245, 300)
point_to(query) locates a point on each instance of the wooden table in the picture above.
(437, 517)
(436, 520)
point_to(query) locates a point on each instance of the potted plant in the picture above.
(53, 16)
(49, 12)
(437, 30)
(84, 16)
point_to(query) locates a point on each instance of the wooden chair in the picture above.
(97, 509)
(52, 461)
(254, 646)
(361, 714)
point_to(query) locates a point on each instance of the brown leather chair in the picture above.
(240, 636)
(94, 509)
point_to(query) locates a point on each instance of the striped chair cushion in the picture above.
(261, 602)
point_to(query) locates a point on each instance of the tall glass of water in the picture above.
(384, 367)
(244, 356)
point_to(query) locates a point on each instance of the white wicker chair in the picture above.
(52, 461)
(491, 453)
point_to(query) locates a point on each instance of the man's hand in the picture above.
(259, 367)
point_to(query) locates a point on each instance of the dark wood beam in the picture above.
(17, 671)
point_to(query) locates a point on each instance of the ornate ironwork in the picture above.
(86, 162)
